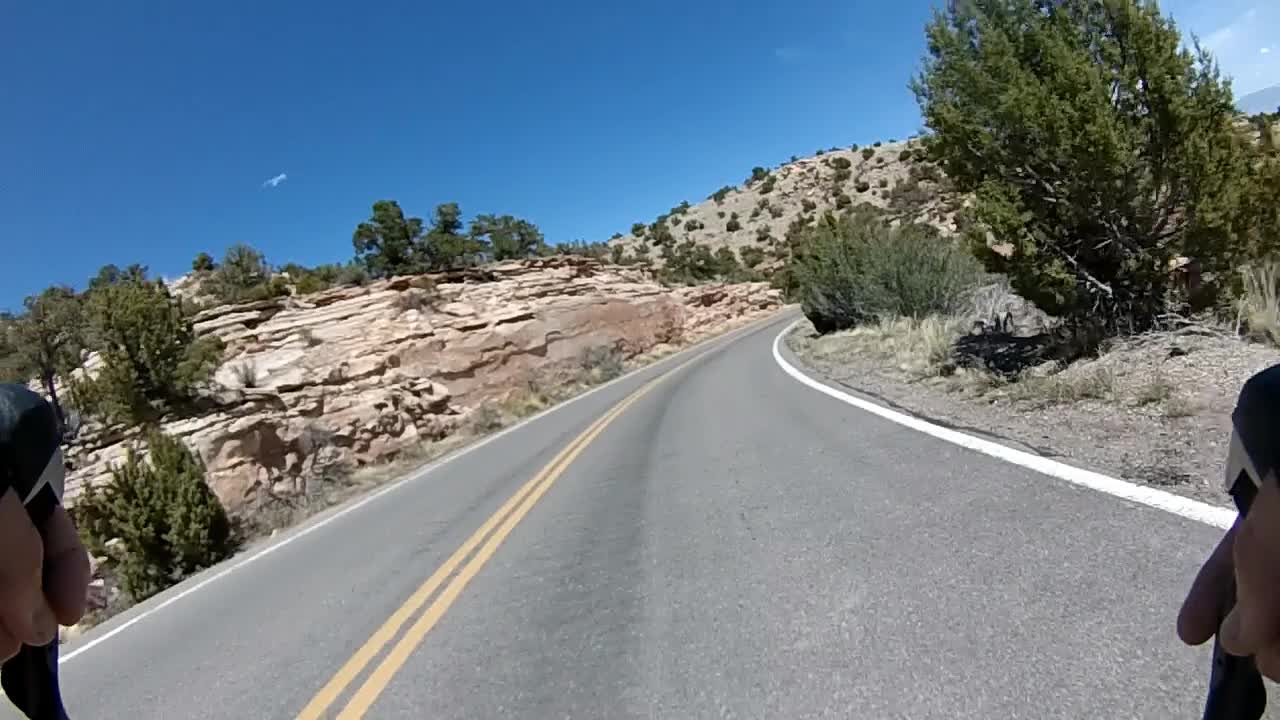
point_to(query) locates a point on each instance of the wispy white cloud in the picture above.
(788, 54)
(1241, 34)
(275, 181)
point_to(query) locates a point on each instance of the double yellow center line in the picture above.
(488, 540)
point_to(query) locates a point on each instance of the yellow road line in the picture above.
(353, 667)
(522, 501)
(395, 659)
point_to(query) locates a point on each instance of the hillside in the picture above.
(758, 212)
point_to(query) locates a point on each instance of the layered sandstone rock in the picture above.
(356, 375)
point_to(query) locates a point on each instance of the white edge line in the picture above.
(1219, 517)
(412, 477)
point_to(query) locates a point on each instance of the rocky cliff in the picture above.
(359, 374)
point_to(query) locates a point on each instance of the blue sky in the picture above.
(149, 131)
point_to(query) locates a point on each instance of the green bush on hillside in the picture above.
(855, 269)
(168, 522)
(152, 361)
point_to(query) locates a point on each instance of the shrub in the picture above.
(733, 225)
(875, 144)
(767, 186)
(925, 172)
(637, 229)
(691, 225)
(203, 263)
(908, 196)
(841, 163)
(151, 359)
(1259, 303)
(601, 363)
(883, 182)
(856, 269)
(776, 211)
(763, 235)
(1094, 170)
(867, 153)
(843, 201)
(808, 205)
(720, 214)
(905, 156)
(245, 374)
(755, 213)
(245, 276)
(751, 256)
(721, 194)
(820, 152)
(169, 523)
(842, 175)
(660, 234)
(757, 173)
(854, 147)
(862, 186)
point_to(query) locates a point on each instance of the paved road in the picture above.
(731, 545)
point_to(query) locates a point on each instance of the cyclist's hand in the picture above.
(32, 605)
(1251, 551)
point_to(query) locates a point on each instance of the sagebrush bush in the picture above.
(733, 225)
(1259, 304)
(808, 205)
(601, 363)
(168, 522)
(868, 153)
(856, 269)
(751, 256)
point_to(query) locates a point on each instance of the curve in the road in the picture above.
(1219, 517)
(198, 583)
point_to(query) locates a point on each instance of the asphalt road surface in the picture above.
(728, 544)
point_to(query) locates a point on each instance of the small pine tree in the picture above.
(162, 510)
(203, 263)
(152, 360)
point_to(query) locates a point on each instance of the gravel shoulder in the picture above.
(1154, 410)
